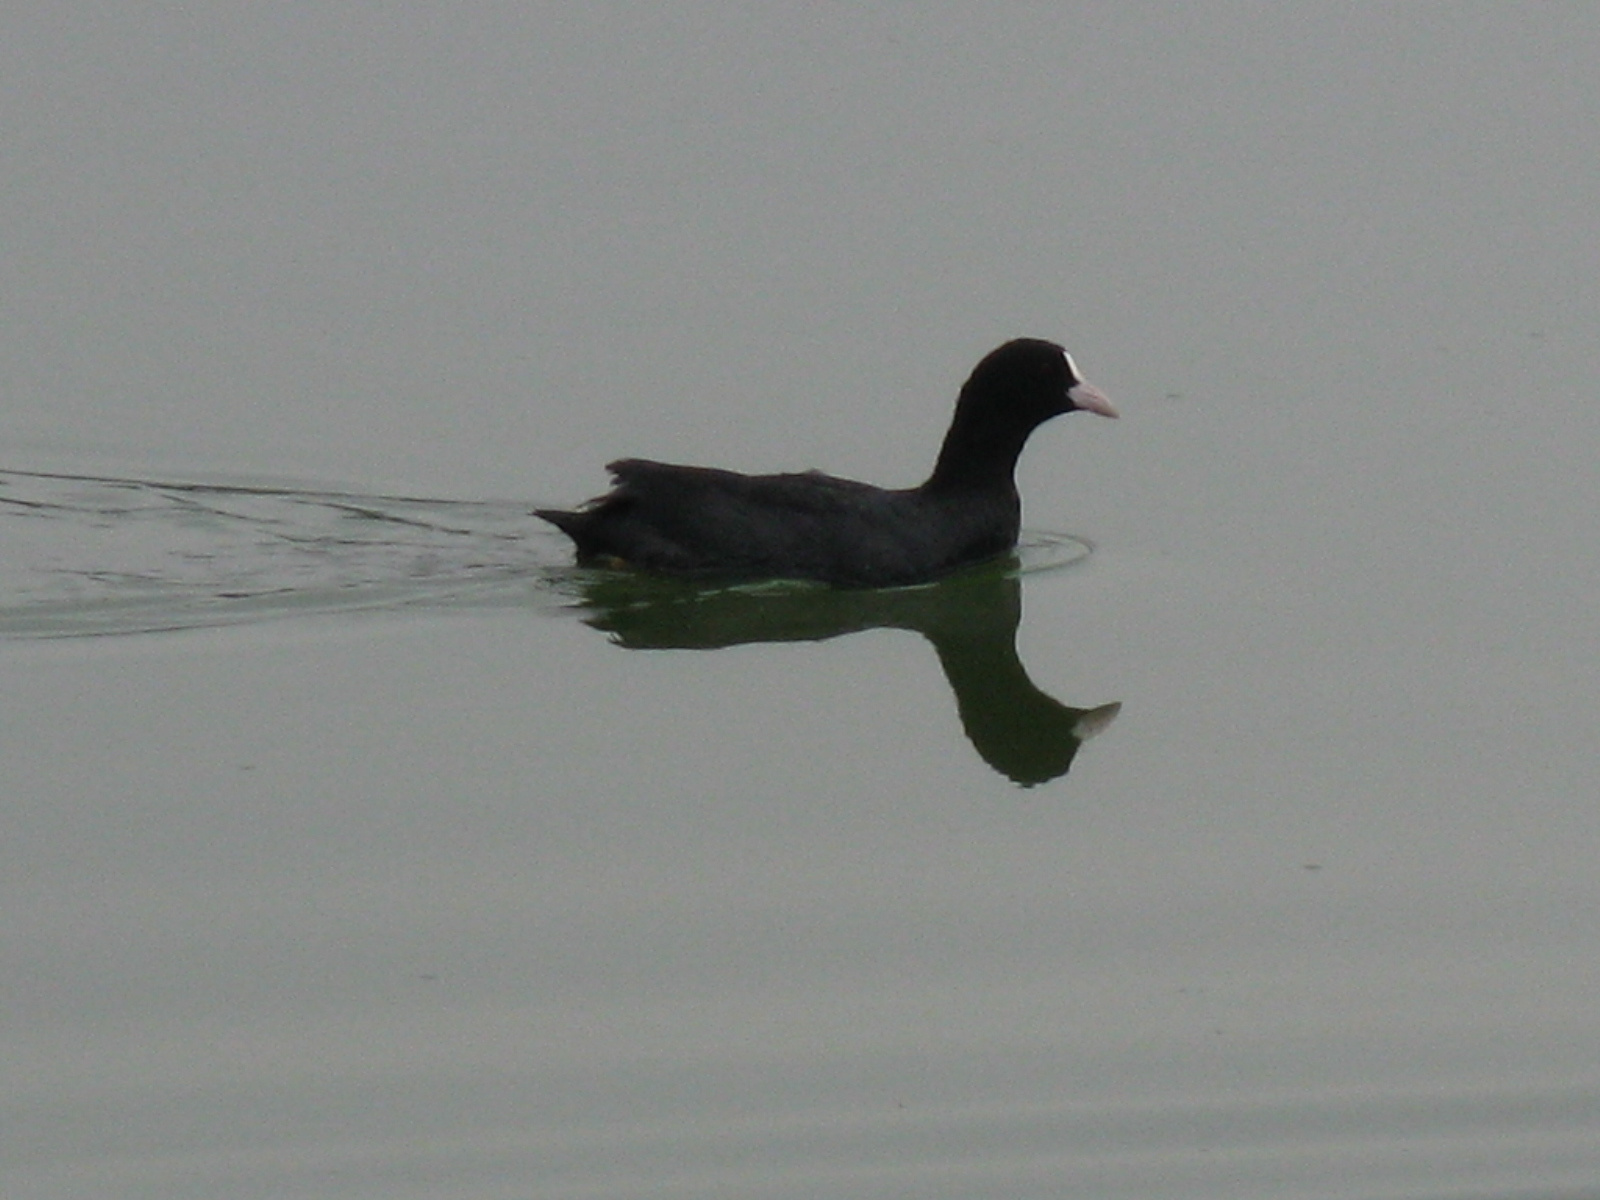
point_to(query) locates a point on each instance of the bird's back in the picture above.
(704, 521)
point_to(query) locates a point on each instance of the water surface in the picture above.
(356, 846)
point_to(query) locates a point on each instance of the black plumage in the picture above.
(701, 521)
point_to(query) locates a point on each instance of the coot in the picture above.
(700, 521)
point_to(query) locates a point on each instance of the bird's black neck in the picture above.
(977, 452)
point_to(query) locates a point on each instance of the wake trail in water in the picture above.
(88, 555)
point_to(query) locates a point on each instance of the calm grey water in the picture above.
(354, 846)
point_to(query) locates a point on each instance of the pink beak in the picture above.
(1089, 398)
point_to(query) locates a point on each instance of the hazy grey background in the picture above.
(475, 904)
(484, 248)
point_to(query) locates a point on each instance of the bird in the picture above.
(709, 523)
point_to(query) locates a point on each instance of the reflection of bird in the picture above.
(699, 521)
(970, 618)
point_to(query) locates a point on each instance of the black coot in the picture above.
(699, 521)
